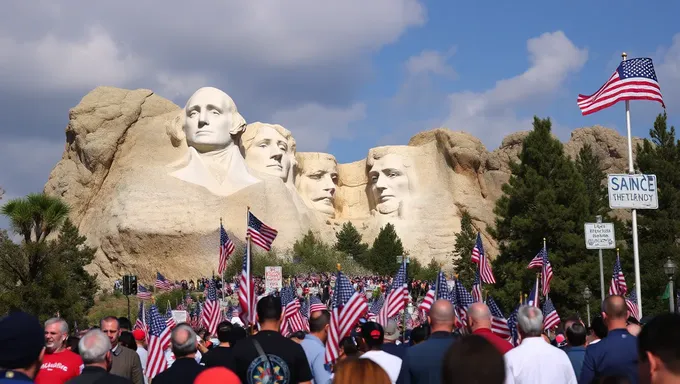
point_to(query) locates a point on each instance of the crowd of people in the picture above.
(610, 350)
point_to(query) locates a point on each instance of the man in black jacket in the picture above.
(95, 349)
(185, 368)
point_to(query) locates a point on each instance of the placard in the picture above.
(600, 236)
(273, 278)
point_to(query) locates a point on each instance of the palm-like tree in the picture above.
(36, 216)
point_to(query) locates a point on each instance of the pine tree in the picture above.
(386, 247)
(658, 229)
(465, 242)
(588, 165)
(545, 198)
(349, 242)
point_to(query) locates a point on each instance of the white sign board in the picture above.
(632, 191)
(273, 278)
(600, 236)
(180, 316)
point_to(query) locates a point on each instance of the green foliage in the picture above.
(465, 242)
(36, 216)
(349, 242)
(545, 198)
(588, 165)
(658, 229)
(386, 247)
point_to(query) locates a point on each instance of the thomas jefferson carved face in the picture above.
(269, 153)
(389, 183)
(210, 120)
(318, 182)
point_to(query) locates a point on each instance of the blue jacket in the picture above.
(576, 355)
(425, 359)
(616, 354)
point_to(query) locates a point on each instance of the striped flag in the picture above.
(478, 250)
(550, 317)
(634, 79)
(512, 324)
(618, 285)
(348, 307)
(260, 233)
(533, 299)
(226, 249)
(162, 282)
(210, 316)
(463, 299)
(631, 303)
(478, 254)
(376, 306)
(536, 262)
(427, 302)
(442, 288)
(159, 340)
(477, 288)
(316, 305)
(499, 324)
(143, 293)
(246, 290)
(169, 319)
(397, 297)
(292, 318)
(541, 260)
(140, 323)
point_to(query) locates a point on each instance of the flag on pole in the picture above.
(140, 323)
(499, 324)
(479, 257)
(534, 299)
(618, 285)
(143, 293)
(550, 317)
(162, 282)
(159, 340)
(260, 233)
(442, 287)
(210, 316)
(348, 307)
(316, 305)
(226, 249)
(246, 290)
(169, 319)
(631, 303)
(547, 274)
(397, 297)
(634, 79)
(478, 250)
(512, 324)
(292, 318)
(477, 288)
(425, 305)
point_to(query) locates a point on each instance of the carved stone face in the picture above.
(208, 121)
(269, 153)
(318, 183)
(389, 183)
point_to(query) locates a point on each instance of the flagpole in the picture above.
(224, 291)
(251, 292)
(545, 249)
(631, 169)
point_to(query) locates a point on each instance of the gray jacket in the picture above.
(126, 363)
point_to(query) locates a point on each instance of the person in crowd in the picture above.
(479, 322)
(349, 347)
(95, 350)
(72, 344)
(425, 359)
(127, 340)
(598, 330)
(419, 334)
(659, 350)
(219, 356)
(534, 360)
(59, 364)
(633, 326)
(462, 362)
(185, 369)
(126, 362)
(268, 352)
(314, 345)
(391, 336)
(237, 333)
(297, 336)
(125, 324)
(22, 348)
(576, 346)
(140, 340)
(373, 334)
(357, 370)
(615, 354)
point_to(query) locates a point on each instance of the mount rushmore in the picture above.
(148, 182)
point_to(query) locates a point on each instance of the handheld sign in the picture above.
(632, 191)
(600, 236)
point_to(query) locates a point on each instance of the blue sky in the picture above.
(342, 76)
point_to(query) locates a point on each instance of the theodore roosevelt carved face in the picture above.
(390, 181)
(317, 180)
(269, 149)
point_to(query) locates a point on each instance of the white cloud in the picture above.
(668, 71)
(431, 62)
(491, 114)
(314, 125)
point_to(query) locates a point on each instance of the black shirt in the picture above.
(216, 357)
(183, 371)
(287, 358)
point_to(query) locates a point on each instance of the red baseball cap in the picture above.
(138, 334)
(217, 375)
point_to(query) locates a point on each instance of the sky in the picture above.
(343, 76)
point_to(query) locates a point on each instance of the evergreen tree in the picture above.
(386, 247)
(349, 242)
(545, 198)
(588, 165)
(465, 242)
(658, 229)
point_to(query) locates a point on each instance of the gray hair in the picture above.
(183, 340)
(94, 346)
(530, 320)
(63, 324)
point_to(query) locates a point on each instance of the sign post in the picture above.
(600, 236)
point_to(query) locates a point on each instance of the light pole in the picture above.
(587, 295)
(669, 267)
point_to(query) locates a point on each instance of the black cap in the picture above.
(21, 340)
(372, 333)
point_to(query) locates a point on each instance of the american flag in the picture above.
(260, 233)
(169, 320)
(348, 307)
(427, 301)
(618, 286)
(478, 250)
(463, 299)
(512, 324)
(140, 323)
(292, 311)
(159, 340)
(534, 299)
(143, 293)
(541, 260)
(315, 305)
(226, 249)
(211, 316)
(442, 288)
(162, 282)
(397, 298)
(550, 317)
(499, 324)
(634, 79)
(484, 265)
(376, 306)
(631, 303)
(246, 291)
(537, 261)
(477, 288)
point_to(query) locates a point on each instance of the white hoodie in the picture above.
(390, 363)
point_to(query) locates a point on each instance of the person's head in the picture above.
(127, 340)
(269, 311)
(319, 322)
(140, 336)
(224, 332)
(461, 362)
(72, 344)
(109, 325)
(530, 321)
(56, 333)
(373, 334)
(356, 370)
(442, 315)
(598, 327)
(237, 333)
(217, 375)
(569, 321)
(124, 324)
(22, 343)
(297, 336)
(576, 335)
(184, 341)
(615, 312)
(349, 347)
(419, 334)
(479, 316)
(95, 349)
(659, 350)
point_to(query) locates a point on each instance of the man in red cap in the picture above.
(140, 339)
